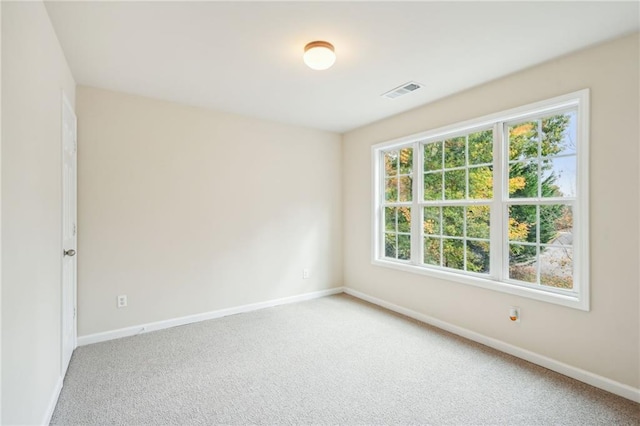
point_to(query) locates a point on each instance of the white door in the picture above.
(69, 231)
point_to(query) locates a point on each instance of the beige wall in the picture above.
(188, 210)
(34, 72)
(603, 341)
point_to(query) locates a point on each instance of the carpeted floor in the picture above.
(334, 360)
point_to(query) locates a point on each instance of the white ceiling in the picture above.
(246, 57)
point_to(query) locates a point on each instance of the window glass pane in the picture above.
(453, 221)
(481, 183)
(540, 176)
(559, 177)
(556, 224)
(523, 222)
(519, 269)
(454, 184)
(391, 163)
(478, 224)
(481, 147)
(390, 245)
(452, 253)
(404, 247)
(478, 256)
(404, 219)
(523, 140)
(391, 189)
(406, 185)
(454, 152)
(432, 220)
(559, 134)
(433, 186)
(433, 156)
(390, 218)
(406, 161)
(432, 251)
(556, 266)
(523, 180)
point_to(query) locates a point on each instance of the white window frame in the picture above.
(579, 296)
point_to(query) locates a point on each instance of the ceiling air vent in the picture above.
(402, 90)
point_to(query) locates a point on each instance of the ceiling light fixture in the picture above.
(319, 55)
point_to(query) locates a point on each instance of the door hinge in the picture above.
(74, 313)
(74, 229)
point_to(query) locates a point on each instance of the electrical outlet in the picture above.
(122, 301)
(306, 273)
(514, 314)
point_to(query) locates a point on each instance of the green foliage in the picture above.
(454, 152)
(398, 167)
(453, 253)
(478, 259)
(433, 186)
(481, 147)
(445, 178)
(404, 247)
(478, 223)
(397, 241)
(433, 156)
(524, 144)
(461, 168)
(528, 172)
(449, 222)
(553, 130)
(406, 161)
(453, 221)
(454, 184)
(481, 183)
(432, 251)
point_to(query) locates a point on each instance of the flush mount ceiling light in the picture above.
(319, 55)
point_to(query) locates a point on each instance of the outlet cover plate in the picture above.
(122, 301)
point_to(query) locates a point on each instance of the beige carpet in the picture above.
(334, 360)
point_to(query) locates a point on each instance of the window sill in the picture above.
(570, 300)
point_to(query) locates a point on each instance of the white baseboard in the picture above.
(53, 401)
(160, 325)
(592, 379)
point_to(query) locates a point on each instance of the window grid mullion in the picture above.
(416, 213)
(539, 128)
(441, 238)
(541, 201)
(379, 176)
(398, 181)
(497, 220)
(538, 277)
(451, 203)
(443, 146)
(464, 238)
(442, 172)
(466, 196)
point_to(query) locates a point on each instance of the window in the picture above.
(500, 202)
